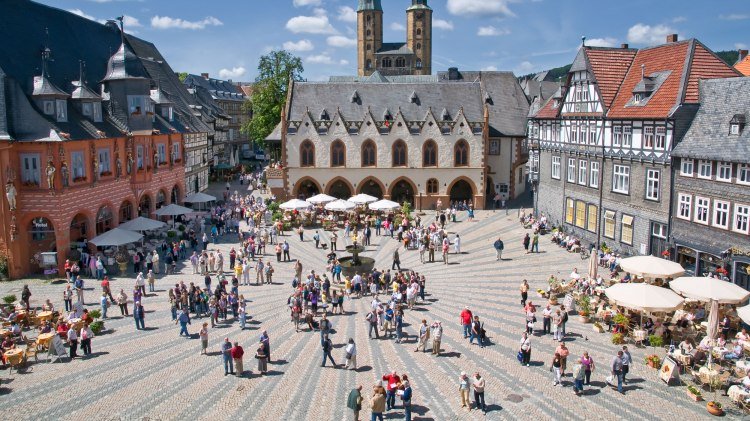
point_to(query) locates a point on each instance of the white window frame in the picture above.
(685, 206)
(648, 137)
(61, 107)
(583, 168)
(624, 225)
(743, 174)
(571, 175)
(49, 107)
(97, 111)
(556, 167)
(724, 172)
(660, 141)
(78, 164)
(87, 109)
(176, 156)
(592, 134)
(617, 136)
(594, 175)
(627, 136)
(105, 163)
(734, 129)
(705, 169)
(33, 174)
(687, 167)
(653, 184)
(741, 220)
(702, 210)
(721, 214)
(621, 179)
(161, 150)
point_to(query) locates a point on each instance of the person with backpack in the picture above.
(327, 346)
(477, 331)
(499, 246)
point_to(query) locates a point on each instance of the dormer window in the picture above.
(62, 110)
(167, 113)
(139, 104)
(49, 107)
(87, 109)
(97, 108)
(324, 115)
(737, 124)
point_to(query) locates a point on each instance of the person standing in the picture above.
(457, 244)
(526, 242)
(86, 335)
(525, 349)
(106, 289)
(203, 334)
(499, 246)
(372, 321)
(327, 346)
(556, 366)
(463, 389)
(437, 335)
(237, 352)
(424, 336)
(351, 355)
(564, 352)
(104, 304)
(392, 381)
(616, 369)
(316, 237)
(578, 376)
(535, 242)
(262, 357)
(588, 366)
(68, 298)
(73, 341)
(226, 352)
(377, 403)
(406, 398)
(627, 359)
(122, 302)
(266, 341)
(79, 289)
(477, 332)
(184, 321)
(524, 292)
(285, 249)
(354, 402)
(139, 315)
(547, 320)
(479, 384)
(396, 261)
(334, 239)
(465, 319)
(557, 325)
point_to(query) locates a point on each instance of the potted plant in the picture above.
(714, 407)
(656, 341)
(584, 308)
(653, 361)
(618, 339)
(97, 325)
(122, 258)
(694, 393)
(10, 299)
(598, 327)
(622, 321)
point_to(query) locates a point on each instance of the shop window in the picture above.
(593, 217)
(609, 224)
(626, 233)
(580, 214)
(569, 211)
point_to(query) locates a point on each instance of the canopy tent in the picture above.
(116, 237)
(142, 224)
(173, 210)
(644, 297)
(295, 204)
(320, 199)
(362, 199)
(651, 267)
(709, 289)
(340, 205)
(384, 205)
(200, 198)
(744, 313)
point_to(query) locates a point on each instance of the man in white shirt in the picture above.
(547, 320)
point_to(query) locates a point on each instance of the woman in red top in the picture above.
(62, 329)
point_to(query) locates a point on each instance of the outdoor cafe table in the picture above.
(76, 323)
(639, 335)
(44, 315)
(14, 355)
(44, 339)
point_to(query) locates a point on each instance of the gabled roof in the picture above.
(82, 91)
(708, 136)
(394, 48)
(686, 61)
(219, 89)
(743, 66)
(124, 65)
(609, 66)
(43, 87)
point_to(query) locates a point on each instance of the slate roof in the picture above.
(369, 5)
(72, 39)
(376, 76)
(508, 106)
(219, 89)
(394, 48)
(708, 136)
(743, 66)
(3, 119)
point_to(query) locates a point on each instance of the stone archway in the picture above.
(402, 190)
(340, 189)
(373, 187)
(126, 212)
(305, 188)
(461, 190)
(104, 220)
(41, 238)
(161, 199)
(144, 206)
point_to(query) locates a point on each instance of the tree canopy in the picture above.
(269, 92)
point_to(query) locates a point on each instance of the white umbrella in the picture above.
(362, 198)
(142, 224)
(709, 289)
(340, 205)
(200, 198)
(644, 297)
(384, 205)
(173, 210)
(713, 320)
(294, 204)
(744, 313)
(116, 237)
(651, 267)
(321, 198)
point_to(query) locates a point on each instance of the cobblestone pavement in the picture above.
(157, 374)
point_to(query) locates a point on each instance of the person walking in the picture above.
(351, 355)
(327, 346)
(377, 403)
(525, 349)
(424, 336)
(354, 402)
(477, 332)
(465, 318)
(184, 320)
(479, 384)
(372, 321)
(627, 359)
(396, 261)
(203, 334)
(226, 352)
(616, 369)
(556, 366)
(139, 316)
(437, 335)
(578, 376)
(564, 352)
(463, 389)
(86, 335)
(588, 366)
(524, 292)
(237, 352)
(499, 246)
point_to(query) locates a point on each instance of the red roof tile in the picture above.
(705, 65)
(548, 110)
(609, 66)
(743, 66)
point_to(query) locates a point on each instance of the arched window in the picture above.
(368, 34)
(461, 154)
(387, 62)
(338, 154)
(419, 46)
(419, 31)
(400, 62)
(307, 154)
(369, 154)
(429, 154)
(418, 63)
(368, 18)
(368, 65)
(399, 154)
(369, 47)
(432, 186)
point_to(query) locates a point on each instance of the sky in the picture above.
(225, 38)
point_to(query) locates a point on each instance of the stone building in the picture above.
(92, 132)
(413, 57)
(604, 141)
(711, 202)
(454, 136)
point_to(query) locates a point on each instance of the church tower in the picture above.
(419, 36)
(369, 35)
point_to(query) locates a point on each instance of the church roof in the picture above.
(369, 5)
(394, 48)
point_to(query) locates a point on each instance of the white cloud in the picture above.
(649, 35)
(489, 69)
(601, 42)
(524, 67)
(735, 16)
(82, 14)
(300, 3)
(130, 22)
(679, 19)
(301, 45)
(320, 59)
(233, 73)
(395, 26)
(442, 24)
(166, 22)
(347, 14)
(740, 46)
(479, 7)
(491, 31)
(340, 41)
(317, 24)
(344, 62)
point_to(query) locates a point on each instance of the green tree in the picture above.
(269, 92)
(182, 76)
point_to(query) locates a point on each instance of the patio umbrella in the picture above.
(651, 267)
(362, 199)
(709, 289)
(593, 265)
(320, 199)
(173, 210)
(744, 313)
(340, 205)
(200, 198)
(644, 297)
(294, 204)
(384, 205)
(116, 237)
(713, 320)
(142, 224)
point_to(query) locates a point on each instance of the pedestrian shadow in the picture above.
(630, 388)
(419, 410)
(273, 373)
(493, 407)
(279, 362)
(591, 392)
(635, 380)
(150, 328)
(536, 363)
(213, 353)
(453, 263)
(94, 355)
(363, 369)
(58, 282)
(107, 332)
(600, 385)
(252, 322)
(451, 354)
(5, 390)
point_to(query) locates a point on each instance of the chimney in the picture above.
(204, 75)
(453, 73)
(742, 55)
(624, 46)
(671, 38)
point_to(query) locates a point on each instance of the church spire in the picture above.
(369, 5)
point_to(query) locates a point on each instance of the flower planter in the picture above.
(652, 364)
(713, 409)
(123, 266)
(694, 397)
